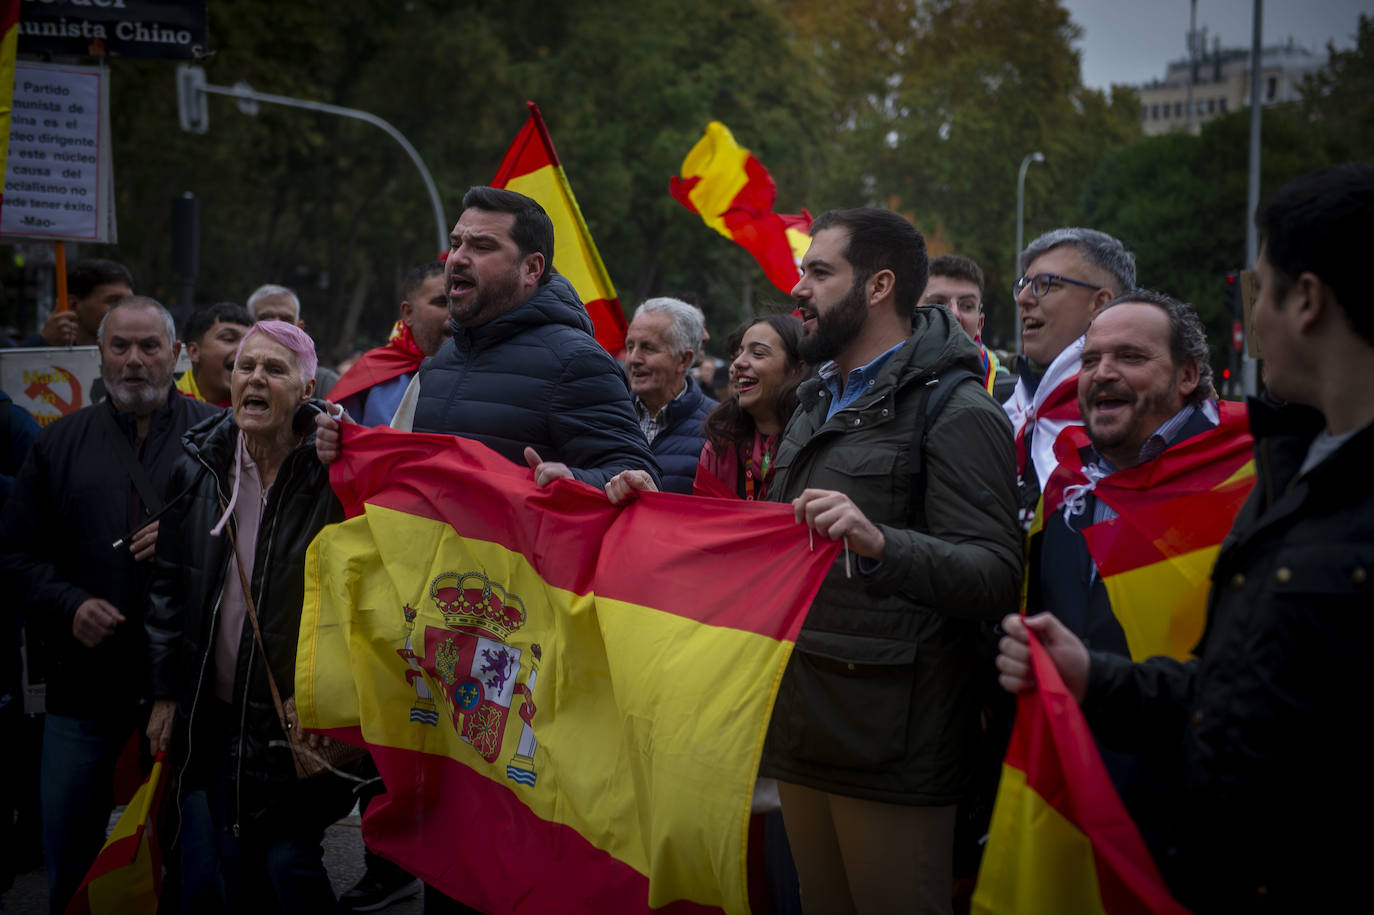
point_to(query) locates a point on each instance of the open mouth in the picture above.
(460, 285)
(1107, 402)
(1030, 325)
(808, 316)
(254, 405)
(745, 383)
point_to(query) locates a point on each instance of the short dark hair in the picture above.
(533, 230)
(960, 268)
(85, 275)
(1187, 336)
(1323, 223)
(202, 319)
(417, 275)
(882, 240)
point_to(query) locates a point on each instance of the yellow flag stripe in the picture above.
(1162, 607)
(574, 257)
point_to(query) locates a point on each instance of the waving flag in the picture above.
(9, 46)
(401, 354)
(566, 699)
(126, 877)
(1060, 839)
(1156, 557)
(531, 167)
(734, 194)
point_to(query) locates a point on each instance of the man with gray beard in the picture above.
(75, 545)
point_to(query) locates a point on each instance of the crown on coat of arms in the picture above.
(471, 600)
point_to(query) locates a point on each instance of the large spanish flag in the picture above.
(1156, 556)
(531, 167)
(126, 877)
(9, 48)
(1060, 840)
(734, 194)
(566, 699)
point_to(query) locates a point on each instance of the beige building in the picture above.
(1223, 85)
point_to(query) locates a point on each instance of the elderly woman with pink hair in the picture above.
(245, 501)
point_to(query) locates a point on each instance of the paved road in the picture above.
(343, 858)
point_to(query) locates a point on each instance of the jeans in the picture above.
(76, 791)
(258, 873)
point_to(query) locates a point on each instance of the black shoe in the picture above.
(375, 891)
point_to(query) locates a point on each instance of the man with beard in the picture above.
(76, 549)
(212, 338)
(877, 717)
(522, 373)
(372, 388)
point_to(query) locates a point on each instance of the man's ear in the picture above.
(1100, 298)
(533, 267)
(881, 286)
(192, 352)
(1311, 298)
(1188, 377)
(407, 312)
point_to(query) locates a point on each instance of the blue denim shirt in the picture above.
(858, 381)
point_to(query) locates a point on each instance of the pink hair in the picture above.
(291, 337)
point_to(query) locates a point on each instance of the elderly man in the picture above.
(372, 388)
(93, 286)
(660, 347)
(212, 337)
(1262, 726)
(91, 480)
(876, 719)
(1067, 276)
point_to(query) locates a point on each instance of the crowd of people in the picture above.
(876, 411)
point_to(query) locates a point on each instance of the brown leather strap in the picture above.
(257, 632)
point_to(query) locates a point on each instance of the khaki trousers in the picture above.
(858, 857)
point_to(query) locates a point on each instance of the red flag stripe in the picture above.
(628, 570)
(1153, 533)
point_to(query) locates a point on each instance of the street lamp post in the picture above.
(1020, 225)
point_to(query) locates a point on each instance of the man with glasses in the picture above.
(956, 282)
(1067, 276)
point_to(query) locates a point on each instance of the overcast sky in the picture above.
(1131, 41)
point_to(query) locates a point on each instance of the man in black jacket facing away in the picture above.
(90, 479)
(1264, 724)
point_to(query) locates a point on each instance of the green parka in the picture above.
(879, 700)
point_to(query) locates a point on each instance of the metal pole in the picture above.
(244, 93)
(1192, 60)
(1249, 371)
(1020, 222)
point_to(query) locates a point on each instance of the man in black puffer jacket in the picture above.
(660, 347)
(522, 373)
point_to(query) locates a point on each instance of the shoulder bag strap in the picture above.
(129, 461)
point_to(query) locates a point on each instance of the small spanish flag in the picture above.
(126, 877)
(734, 194)
(566, 699)
(1060, 839)
(531, 167)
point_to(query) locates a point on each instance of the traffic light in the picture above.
(1234, 304)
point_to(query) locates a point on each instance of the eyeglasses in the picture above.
(1042, 283)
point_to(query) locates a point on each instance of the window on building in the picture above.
(1154, 112)
(1221, 105)
(1178, 109)
(1211, 106)
(1271, 88)
(1200, 108)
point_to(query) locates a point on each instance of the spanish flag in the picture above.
(734, 194)
(1060, 840)
(566, 700)
(1156, 556)
(9, 47)
(531, 167)
(126, 877)
(401, 354)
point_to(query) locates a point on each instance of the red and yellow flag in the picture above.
(566, 700)
(401, 354)
(1156, 556)
(126, 877)
(9, 48)
(531, 167)
(734, 194)
(1060, 839)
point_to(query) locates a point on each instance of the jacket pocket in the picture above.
(848, 707)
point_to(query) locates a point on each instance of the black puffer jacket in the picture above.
(536, 377)
(677, 448)
(1264, 725)
(181, 623)
(878, 701)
